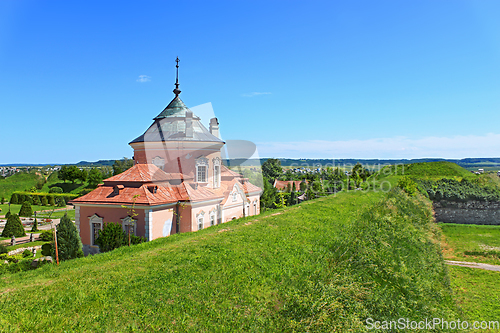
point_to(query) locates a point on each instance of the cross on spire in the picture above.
(176, 90)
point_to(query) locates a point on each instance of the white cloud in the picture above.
(253, 94)
(387, 148)
(143, 78)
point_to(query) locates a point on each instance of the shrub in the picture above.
(44, 201)
(408, 185)
(3, 200)
(8, 214)
(51, 200)
(47, 236)
(111, 237)
(26, 210)
(13, 227)
(3, 249)
(27, 253)
(14, 199)
(69, 244)
(35, 226)
(134, 240)
(60, 201)
(56, 189)
(36, 200)
(46, 249)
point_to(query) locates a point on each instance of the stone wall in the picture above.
(470, 212)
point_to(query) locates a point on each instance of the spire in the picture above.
(176, 90)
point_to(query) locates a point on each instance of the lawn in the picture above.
(466, 242)
(325, 265)
(477, 293)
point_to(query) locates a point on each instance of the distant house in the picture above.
(480, 170)
(498, 173)
(282, 185)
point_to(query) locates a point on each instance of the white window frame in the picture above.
(201, 162)
(127, 222)
(94, 220)
(213, 217)
(235, 196)
(217, 171)
(255, 207)
(200, 220)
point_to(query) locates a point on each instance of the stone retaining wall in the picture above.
(470, 212)
(21, 249)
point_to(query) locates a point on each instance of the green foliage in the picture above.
(47, 249)
(13, 227)
(36, 200)
(94, 177)
(13, 199)
(435, 169)
(51, 200)
(35, 226)
(271, 169)
(27, 253)
(26, 210)
(60, 201)
(454, 190)
(2, 200)
(47, 236)
(111, 237)
(69, 244)
(44, 201)
(3, 249)
(269, 195)
(56, 189)
(122, 165)
(8, 214)
(408, 185)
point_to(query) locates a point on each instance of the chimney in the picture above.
(214, 127)
(189, 124)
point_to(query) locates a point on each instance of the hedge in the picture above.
(20, 197)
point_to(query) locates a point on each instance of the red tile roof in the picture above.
(145, 173)
(283, 184)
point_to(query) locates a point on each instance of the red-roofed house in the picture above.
(177, 184)
(282, 185)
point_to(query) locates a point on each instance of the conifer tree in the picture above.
(69, 244)
(26, 210)
(13, 227)
(13, 199)
(35, 226)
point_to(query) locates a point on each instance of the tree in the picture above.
(3, 200)
(268, 195)
(26, 210)
(122, 165)
(69, 244)
(13, 199)
(44, 201)
(55, 189)
(95, 177)
(111, 237)
(82, 175)
(271, 168)
(51, 200)
(60, 201)
(36, 200)
(35, 226)
(303, 186)
(73, 173)
(63, 173)
(13, 227)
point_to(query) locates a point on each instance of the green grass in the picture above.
(477, 293)
(476, 243)
(21, 181)
(16, 208)
(325, 265)
(17, 246)
(437, 170)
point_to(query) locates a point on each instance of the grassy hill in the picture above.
(324, 265)
(437, 170)
(18, 182)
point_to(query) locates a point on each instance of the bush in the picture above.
(111, 237)
(13, 227)
(8, 214)
(134, 240)
(60, 201)
(26, 210)
(69, 244)
(46, 249)
(51, 200)
(14, 199)
(36, 200)
(44, 201)
(3, 200)
(27, 253)
(56, 189)
(3, 249)
(47, 236)
(408, 185)
(35, 226)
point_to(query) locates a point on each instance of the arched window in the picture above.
(200, 219)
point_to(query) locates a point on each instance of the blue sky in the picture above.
(317, 79)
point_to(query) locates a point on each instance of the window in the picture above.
(201, 169)
(95, 225)
(129, 224)
(235, 196)
(95, 231)
(202, 174)
(200, 222)
(212, 220)
(216, 176)
(255, 207)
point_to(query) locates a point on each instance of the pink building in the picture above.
(177, 184)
